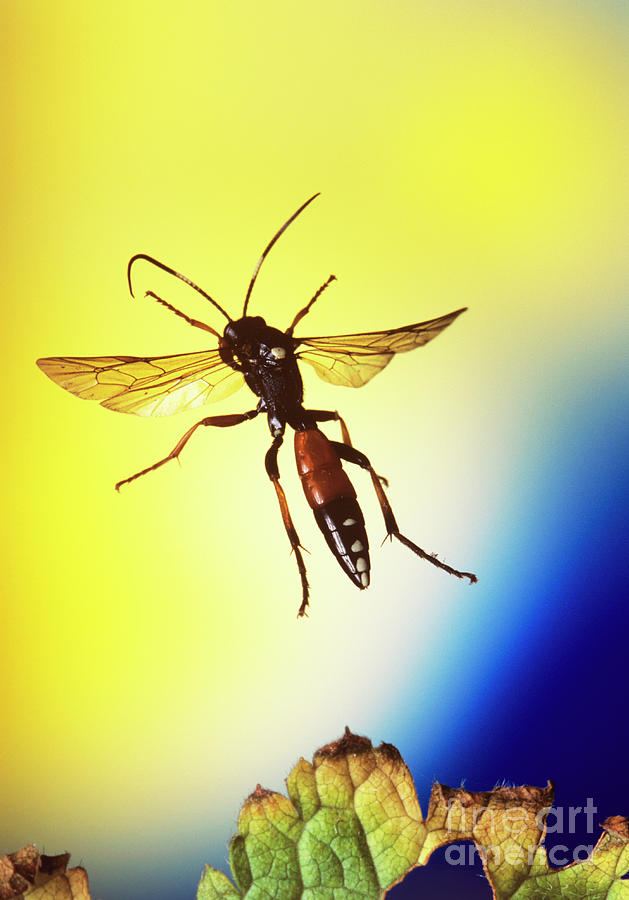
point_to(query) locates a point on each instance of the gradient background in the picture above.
(152, 668)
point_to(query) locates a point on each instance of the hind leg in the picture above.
(326, 415)
(355, 456)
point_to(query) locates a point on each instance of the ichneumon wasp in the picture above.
(266, 359)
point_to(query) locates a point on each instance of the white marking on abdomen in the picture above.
(349, 522)
(356, 547)
(361, 564)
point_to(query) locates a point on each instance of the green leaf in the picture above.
(597, 878)
(351, 828)
(215, 885)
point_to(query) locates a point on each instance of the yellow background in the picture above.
(471, 154)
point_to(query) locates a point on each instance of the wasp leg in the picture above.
(304, 312)
(332, 415)
(355, 456)
(325, 415)
(178, 312)
(272, 470)
(195, 287)
(220, 421)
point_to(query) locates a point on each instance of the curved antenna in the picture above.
(178, 275)
(269, 245)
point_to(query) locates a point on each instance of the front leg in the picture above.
(355, 456)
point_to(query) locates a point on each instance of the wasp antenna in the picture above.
(270, 244)
(178, 275)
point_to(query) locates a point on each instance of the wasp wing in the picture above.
(353, 359)
(146, 386)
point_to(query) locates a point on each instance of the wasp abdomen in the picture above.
(332, 497)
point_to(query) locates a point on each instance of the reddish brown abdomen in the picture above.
(332, 497)
(320, 469)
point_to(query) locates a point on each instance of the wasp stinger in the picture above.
(266, 359)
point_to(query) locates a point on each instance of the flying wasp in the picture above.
(266, 359)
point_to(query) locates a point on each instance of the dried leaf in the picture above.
(27, 874)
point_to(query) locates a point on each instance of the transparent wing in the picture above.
(353, 359)
(146, 386)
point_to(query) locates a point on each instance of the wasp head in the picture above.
(254, 343)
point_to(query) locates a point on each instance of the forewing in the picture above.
(146, 386)
(354, 359)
